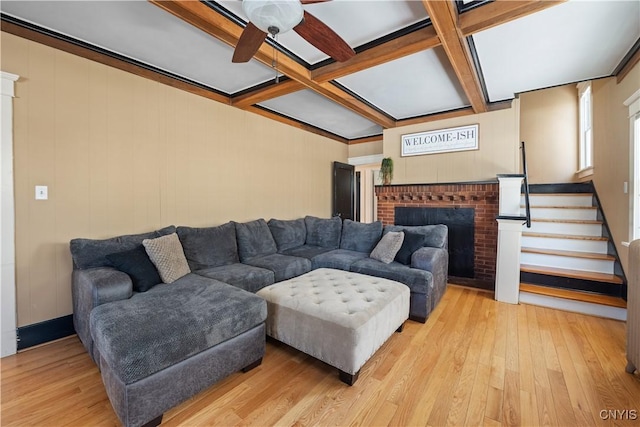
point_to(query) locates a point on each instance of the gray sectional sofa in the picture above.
(153, 340)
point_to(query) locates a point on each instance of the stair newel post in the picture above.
(510, 222)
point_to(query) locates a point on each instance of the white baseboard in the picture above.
(608, 312)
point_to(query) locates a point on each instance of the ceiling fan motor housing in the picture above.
(273, 15)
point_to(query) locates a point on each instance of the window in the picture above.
(634, 167)
(585, 126)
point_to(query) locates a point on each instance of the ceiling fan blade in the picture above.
(250, 41)
(324, 38)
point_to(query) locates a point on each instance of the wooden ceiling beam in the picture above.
(208, 20)
(499, 12)
(263, 94)
(444, 17)
(291, 122)
(417, 41)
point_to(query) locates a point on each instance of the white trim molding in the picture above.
(633, 103)
(8, 342)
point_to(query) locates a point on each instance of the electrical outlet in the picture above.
(42, 192)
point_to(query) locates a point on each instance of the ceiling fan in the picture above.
(279, 16)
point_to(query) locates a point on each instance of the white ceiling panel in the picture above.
(574, 41)
(356, 21)
(309, 107)
(142, 31)
(415, 85)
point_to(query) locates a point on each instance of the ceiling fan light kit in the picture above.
(273, 16)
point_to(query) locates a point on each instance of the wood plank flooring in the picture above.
(475, 362)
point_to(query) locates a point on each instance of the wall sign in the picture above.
(461, 138)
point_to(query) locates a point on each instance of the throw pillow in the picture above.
(138, 266)
(167, 255)
(411, 243)
(387, 248)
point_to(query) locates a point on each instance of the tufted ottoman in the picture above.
(339, 317)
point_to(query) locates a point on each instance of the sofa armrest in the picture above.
(435, 260)
(91, 288)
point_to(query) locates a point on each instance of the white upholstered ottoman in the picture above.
(339, 317)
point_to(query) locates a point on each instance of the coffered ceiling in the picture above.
(416, 61)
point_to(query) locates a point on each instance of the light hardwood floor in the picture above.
(475, 362)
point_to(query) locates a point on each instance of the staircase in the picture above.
(567, 259)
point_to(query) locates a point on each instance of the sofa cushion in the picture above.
(435, 235)
(288, 233)
(90, 253)
(386, 250)
(411, 243)
(361, 237)
(210, 246)
(417, 280)
(338, 259)
(167, 255)
(283, 266)
(323, 232)
(307, 251)
(138, 266)
(243, 276)
(170, 323)
(254, 239)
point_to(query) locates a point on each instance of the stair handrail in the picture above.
(527, 206)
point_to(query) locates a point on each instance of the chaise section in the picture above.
(153, 345)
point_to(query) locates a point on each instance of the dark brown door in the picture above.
(343, 190)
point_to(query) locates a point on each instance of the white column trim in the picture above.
(8, 341)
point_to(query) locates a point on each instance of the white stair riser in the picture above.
(550, 200)
(596, 246)
(565, 228)
(570, 263)
(550, 213)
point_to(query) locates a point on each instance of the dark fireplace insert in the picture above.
(460, 222)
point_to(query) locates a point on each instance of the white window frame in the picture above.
(585, 126)
(633, 103)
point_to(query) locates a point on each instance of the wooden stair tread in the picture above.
(575, 274)
(558, 207)
(574, 295)
(559, 194)
(563, 236)
(569, 221)
(574, 254)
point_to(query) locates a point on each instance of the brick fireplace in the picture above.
(482, 197)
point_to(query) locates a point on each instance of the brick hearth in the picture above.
(483, 197)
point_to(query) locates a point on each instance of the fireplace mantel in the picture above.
(481, 196)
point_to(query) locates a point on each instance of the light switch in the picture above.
(42, 192)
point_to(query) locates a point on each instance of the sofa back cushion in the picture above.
(90, 253)
(288, 234)
(435, 236)
(254, 239)
(209, 246)
(323, 232)
(360, 237)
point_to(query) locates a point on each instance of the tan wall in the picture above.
(122, 154)
(498, 151)
(611, 144)
(549, 127)
(366, 149)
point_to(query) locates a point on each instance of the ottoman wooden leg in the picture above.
(154, 422)
(347, 378)
(252, 365)
(400, 329)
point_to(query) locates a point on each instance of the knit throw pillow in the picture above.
(387, 248)
(167, 255)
